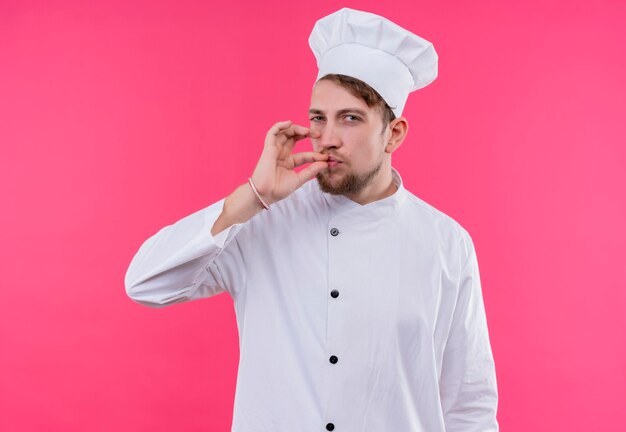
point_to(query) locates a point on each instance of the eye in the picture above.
(316, 118)
(356, 118)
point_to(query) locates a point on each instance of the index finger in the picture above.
(296, 131)
(275, 130)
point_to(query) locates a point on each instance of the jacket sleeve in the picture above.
(468, 379)
(184, 262)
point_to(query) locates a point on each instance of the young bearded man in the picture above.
(358, 305)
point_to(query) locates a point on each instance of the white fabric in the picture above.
(392, 60)
(408, 327)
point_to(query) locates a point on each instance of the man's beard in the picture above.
(350, 184)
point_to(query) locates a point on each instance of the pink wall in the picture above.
(117, 118)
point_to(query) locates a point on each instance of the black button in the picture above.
(333, 359)
(334, 293)
(330, 426)
(334, 232)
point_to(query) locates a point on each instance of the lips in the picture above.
(332, 162)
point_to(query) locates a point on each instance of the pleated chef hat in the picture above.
(392, 60)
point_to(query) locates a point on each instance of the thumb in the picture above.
(309, 172)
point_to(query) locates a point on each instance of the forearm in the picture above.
(239, 207)
(171, 266)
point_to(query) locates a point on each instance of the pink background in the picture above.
(118, 118)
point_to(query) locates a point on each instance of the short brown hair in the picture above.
(365, 92)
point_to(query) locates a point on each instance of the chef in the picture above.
(358, 304)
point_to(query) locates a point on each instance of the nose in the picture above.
(328, 137)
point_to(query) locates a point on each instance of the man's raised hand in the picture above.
(274, 175)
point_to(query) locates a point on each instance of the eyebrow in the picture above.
(341, 111)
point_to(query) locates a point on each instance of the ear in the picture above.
(398, 129)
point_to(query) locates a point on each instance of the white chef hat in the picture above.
(392, 60)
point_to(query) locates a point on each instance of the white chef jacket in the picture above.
(352, 318)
